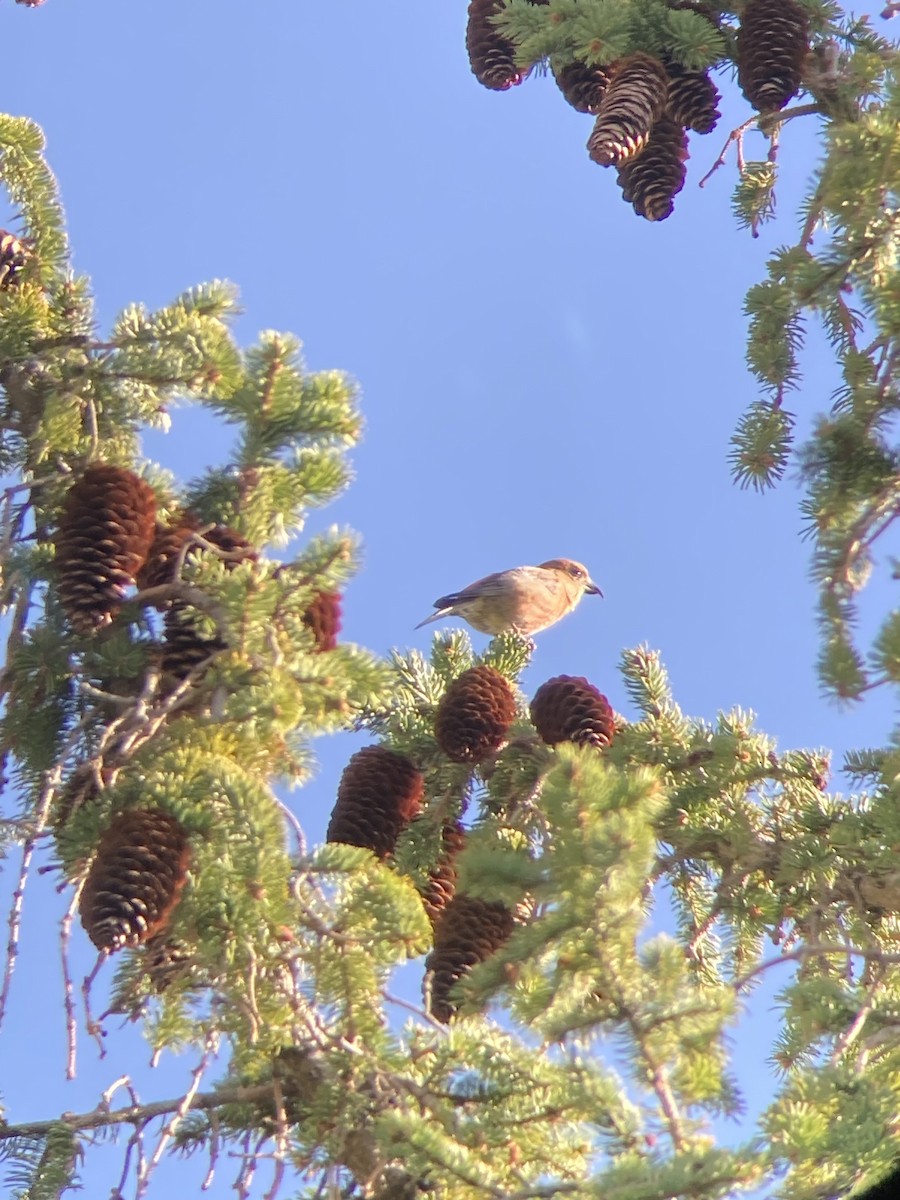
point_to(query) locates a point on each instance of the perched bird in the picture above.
(523, 600)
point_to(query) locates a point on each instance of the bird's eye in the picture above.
(576, 572)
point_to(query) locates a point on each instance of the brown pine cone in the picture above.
(771, 48)
(164, 555)
(184, 646)
(165, 960)
(692, 98)
(583, 85)
(653, 179)
(323, 617)
(104, 536)
(168, 543)
(631, 105)
(468, 931)
(569, 709)
(474, 715)
(492, 56)
(380, 792)
(136, 878)
(439, 890)
(13, 257)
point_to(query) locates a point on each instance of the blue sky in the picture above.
(543, 373)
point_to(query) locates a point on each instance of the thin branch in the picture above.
(138, 1114)
(178, 1116)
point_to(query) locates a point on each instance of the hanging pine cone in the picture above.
(492, 56)
(439, 890)
(168, 545)
(136, 878)
(164, 555)
(103, 539)
(651, 181)
(569, 709)
(166, 959)
(692, 98)
(468, 932)
(323, 617)
(13, 257)
(380, 792)
(474, 715)
(771, 48)
(582, 84)
(631, 104)
(184, 646)
(79, 789)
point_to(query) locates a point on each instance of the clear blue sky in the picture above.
(543, 372)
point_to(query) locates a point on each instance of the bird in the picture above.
(522, 600)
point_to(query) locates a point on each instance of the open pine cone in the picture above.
(136, 878)
(492, 56)
(583, 84)
(653, 179)
(468, 931)
(103, 540)
(441, 886)
(632, 103)
(772, 43)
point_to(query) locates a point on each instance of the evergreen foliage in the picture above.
(582, 1052)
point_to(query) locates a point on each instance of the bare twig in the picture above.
(138, 1114)
(65, 932)
(51, 783)
(178, 1116)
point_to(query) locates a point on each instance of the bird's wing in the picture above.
(497, 584)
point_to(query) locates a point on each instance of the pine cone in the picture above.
(136, 878)
(13, 257)
(439, 890)
(583, 85)
(651, 181)
(692, 98)
(79, 789)
(165, 960)
(468, 932)
(474, 715)
(631, 104)
(380, 792)
(103, 539)
(165, 552)
(168, 543)
(323, 617)
(771, 48)
(492, 56)
(569, 709)
(184, 646)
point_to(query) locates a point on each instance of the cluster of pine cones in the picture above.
(109, 541)
(381, 791)
(644, 106)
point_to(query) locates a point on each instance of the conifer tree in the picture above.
(172, 650)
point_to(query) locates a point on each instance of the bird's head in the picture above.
(574, 571)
